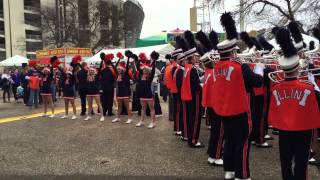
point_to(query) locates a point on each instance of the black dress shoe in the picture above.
(82, 114)
(111, 114)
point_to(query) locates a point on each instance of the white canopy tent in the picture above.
(14, 61)
(306, 39)
(161, 49)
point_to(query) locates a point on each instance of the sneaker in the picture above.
(44, 115)
(74, 117)
(87, 118)
(268, 137)
(218, 162)
(134, 112)
(253, 143)
(102, 119)
(210, 161)
(178, 133)
(229, 175)
(198, 145)
(151, 126)
(52, 116)
(159, 115)
(115, 120)
(129, 121)
(140, 123)
(63, 117)
(264, 145)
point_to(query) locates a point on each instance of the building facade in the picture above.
(24, 28)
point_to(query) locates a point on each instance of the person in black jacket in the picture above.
(107, 75)
(82, 79)
(144, 91)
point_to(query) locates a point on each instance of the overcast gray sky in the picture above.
(169, 14)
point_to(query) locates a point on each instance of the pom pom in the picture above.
(102, 56)
(128, 53)
(142, 57)
(204, 40)
(265, 44)
(56, 64)
(109, 57)
(316, 33)
(120, 55)
(246, 39)
(32, 63)
(76, 59)
(188, 35)
(213, 36)
(284, 40)
(168, 56)
(154, 56)
(229, 25)
(295, 32)
(53, 59)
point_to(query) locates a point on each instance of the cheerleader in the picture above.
(68, 84)
(92, 85)
(123, 88)
(144, 91)
(45, 90)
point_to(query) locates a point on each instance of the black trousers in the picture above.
(259, 122)
(171, 118)
(178, 113)
(216, 137)
(192, 114)
(6, 93)
(136, 106)
(83, 99)
(294, 146)
(14, 91)
(107, 101)
(157, 106)
(237, 131)
(26, 92)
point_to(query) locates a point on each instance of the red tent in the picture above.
(45, 61)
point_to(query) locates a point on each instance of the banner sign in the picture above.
(85, 52)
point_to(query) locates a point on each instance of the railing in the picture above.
(31, 36)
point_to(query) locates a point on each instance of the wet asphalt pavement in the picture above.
(43, 148)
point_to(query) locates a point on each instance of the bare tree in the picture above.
(93, 32)
(266, 13)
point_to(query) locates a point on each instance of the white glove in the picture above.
(313, 81)
(258, 69)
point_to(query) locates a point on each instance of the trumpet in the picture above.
(278, 76)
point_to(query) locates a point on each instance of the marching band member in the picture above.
(191, 93)
(168, 83)
(257, 98)
(107, 75)
(292, 101)
(124, 74)
(216, 138)
(92, 92)
(176, 105)
(233, 82)
(144, 91)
